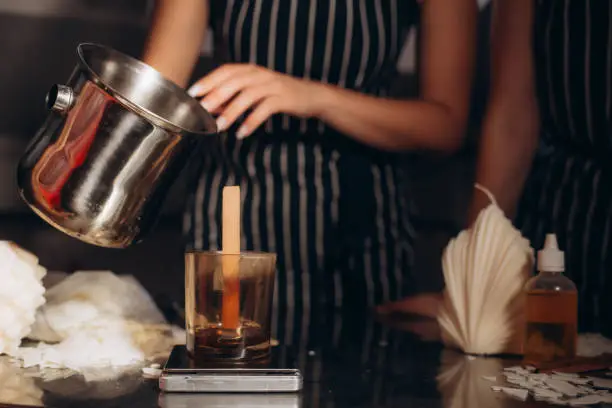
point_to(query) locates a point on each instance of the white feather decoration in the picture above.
(485, 268)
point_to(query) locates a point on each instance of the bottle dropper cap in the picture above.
(551, 258)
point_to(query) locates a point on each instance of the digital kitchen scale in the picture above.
(274, 376)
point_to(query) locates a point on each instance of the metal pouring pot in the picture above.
(117, 136)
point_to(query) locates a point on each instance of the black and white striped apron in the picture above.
(332, 209)
(569, 191)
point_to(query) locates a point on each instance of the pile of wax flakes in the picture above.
(556, 388)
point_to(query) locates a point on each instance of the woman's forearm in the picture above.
(511, 126)
(437, 120)
(389, 124)
(176, 36)
(506, 153)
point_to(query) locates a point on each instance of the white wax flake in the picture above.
(555, 401)
(563, 387)
(579, 380)
(562, 374)
(535, 385)
(516, 393)
(602, 383)
(558, 388)
(543, 392)
(517, 370)
(586, 390)
(87, 348)
(155, 365)
(151, 372)
(531, 369)
(516, 381)
(539, 377)
(512, 376)
(489, 378)
(588, 400)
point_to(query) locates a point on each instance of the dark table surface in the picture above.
(357, 362)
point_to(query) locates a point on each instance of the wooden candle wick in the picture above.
(230, 312)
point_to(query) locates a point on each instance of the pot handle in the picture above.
(60, 98)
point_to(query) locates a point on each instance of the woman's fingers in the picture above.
(232, 90)
(245, 100)
(204, 85)
(211, 81)
(223, 92)
(266, 108)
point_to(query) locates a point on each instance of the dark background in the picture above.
(38, 40)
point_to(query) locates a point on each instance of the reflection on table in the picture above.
(350, 360)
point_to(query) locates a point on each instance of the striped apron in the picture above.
(332, 209)
(569, 191)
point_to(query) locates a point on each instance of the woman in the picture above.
(311, 135)
(547, 136)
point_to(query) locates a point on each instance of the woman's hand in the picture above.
(234, 89)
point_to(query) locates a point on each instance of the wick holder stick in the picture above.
(230, 312)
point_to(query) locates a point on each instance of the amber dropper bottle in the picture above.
(551, 309)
